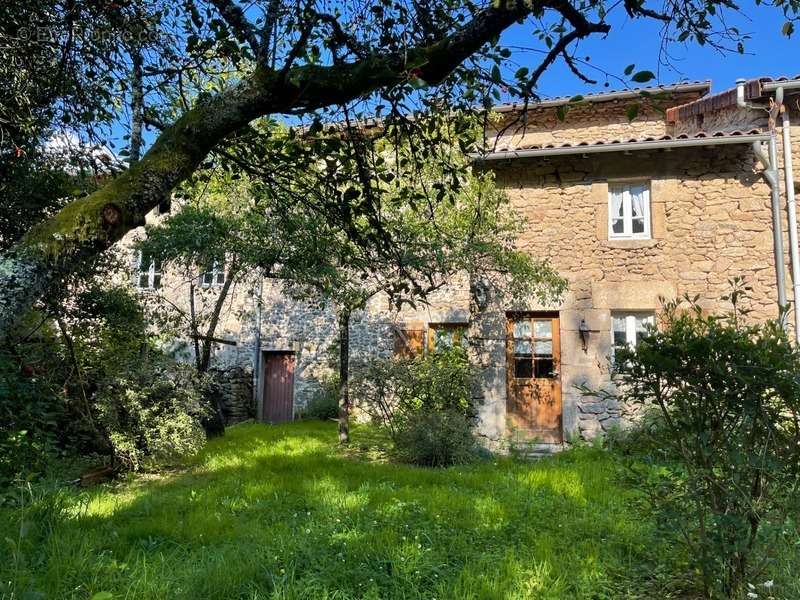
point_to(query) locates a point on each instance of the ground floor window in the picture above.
(409, 341)
(445, 335)
(628, 327)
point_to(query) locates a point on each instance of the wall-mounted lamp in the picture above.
(583, 330)
(480, 293)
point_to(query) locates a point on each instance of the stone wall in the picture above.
(232, 388)
(711, 222)
(583, 123)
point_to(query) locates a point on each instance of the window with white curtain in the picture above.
(629, 211)
(627, 328)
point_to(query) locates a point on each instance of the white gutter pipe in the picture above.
(622, 147)
(772, 86)
(791, 204)
(770, 163)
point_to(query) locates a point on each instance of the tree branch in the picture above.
(575, 70)
(267, 31)
(79, 231)
(235, 18)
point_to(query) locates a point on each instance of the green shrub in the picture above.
(722, 459)
(390, 389)
(153, 414)
(435, 439)
(438, 381)
(35, 410)
(325, 403)
(425, 403)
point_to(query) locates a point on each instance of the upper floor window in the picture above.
(214, 275)
(629, 211)
(629, 327)
(444, 335)
(147, 275)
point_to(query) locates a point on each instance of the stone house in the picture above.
(676, 200)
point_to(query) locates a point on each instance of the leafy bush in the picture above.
(153, 414)
(435, 439)
(389, 389)
(726, 440)
(34, 408)
(424, 402)
(325, 403)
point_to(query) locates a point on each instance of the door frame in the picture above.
(264, 356)
(509, 366)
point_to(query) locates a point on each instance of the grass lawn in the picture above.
(279, 512)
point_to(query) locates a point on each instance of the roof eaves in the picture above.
(602, 146)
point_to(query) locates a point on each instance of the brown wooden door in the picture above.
(278, 387)
(533, 353)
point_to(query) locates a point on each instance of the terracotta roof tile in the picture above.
(608, 95)
(752, 90)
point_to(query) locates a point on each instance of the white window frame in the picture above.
(624, 189)
(214, 277)
(151, 271)
(630, 325)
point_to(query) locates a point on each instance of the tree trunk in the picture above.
(193, 327)
(137, 106)
(90, 225)
(344, 374)
(68, 342)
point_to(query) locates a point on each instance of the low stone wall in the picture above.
(233, 388)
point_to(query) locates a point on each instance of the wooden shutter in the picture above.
(408, 341)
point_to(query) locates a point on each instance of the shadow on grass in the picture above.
(279, 512)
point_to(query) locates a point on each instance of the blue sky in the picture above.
(768, 53)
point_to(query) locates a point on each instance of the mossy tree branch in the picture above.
(83, 228)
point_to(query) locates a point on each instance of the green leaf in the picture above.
(629, 69)
(496, 77)
(787, 29)
(102, 596)
(521, 72)
(643, 76)
(632, 112)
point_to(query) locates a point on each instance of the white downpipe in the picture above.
(777, 227)
(791, 206)
(772, 176)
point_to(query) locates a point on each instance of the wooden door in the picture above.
(278, 387)
(533, 352)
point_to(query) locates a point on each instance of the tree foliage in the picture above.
(200, 72)
(424, 402)
(725, 442)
